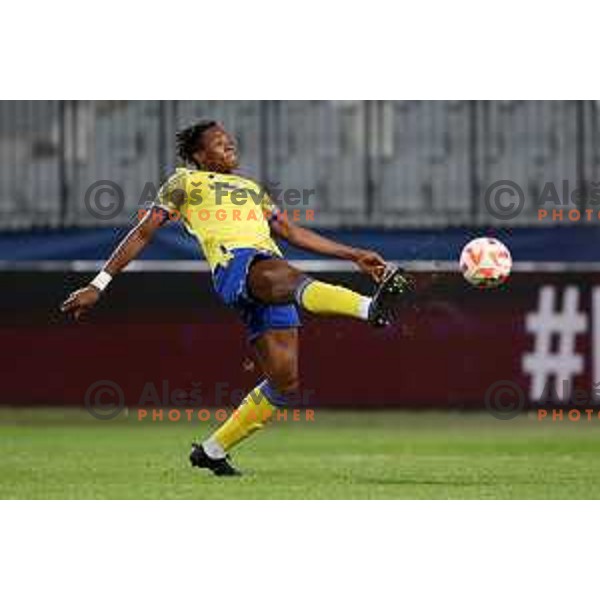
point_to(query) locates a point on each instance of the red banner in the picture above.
(540, 332)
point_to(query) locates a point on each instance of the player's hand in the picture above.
(371, 263)
(81, 301)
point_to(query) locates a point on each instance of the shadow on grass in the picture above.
(407, 481)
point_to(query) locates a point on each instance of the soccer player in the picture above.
(235, 222)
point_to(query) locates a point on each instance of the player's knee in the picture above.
(274, 281)
(284, 283)
(289, 384)
(285, 380)
(282, 390)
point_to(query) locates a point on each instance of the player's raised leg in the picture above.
(275, 281)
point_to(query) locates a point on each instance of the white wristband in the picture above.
(101, 280)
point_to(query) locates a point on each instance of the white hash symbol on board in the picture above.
(555, 325)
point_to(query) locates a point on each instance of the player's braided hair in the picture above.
(189, 140)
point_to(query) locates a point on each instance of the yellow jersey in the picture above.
(223, 211)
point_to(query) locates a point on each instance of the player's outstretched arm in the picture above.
(368, 261)
(82, 300)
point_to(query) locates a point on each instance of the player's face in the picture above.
(218, 152)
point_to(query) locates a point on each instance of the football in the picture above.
(485, 262)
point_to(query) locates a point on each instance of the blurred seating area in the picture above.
(382, 164)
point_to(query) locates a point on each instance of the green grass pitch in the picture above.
(68, 454)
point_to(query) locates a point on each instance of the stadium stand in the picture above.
(423, 166)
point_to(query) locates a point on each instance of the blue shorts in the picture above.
(230, 283)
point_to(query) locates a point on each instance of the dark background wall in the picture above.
(170, 327)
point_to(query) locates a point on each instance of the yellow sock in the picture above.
(254, 411)
(325, 299)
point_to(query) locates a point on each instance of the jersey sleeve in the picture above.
(271, 211)
(171, 194)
